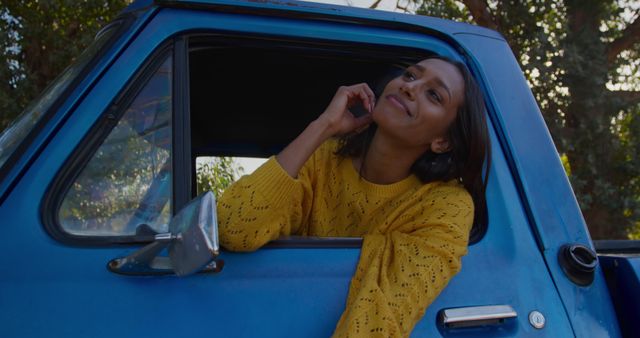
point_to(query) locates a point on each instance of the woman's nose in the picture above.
(408, 88)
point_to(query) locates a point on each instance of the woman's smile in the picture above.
(398, 103)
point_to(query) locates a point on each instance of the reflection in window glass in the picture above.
(217, 173)
(128, 180)
(11, 137)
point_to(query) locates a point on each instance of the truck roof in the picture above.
(333, 12)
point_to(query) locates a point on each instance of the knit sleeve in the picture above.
(263, 206)
(403, 269)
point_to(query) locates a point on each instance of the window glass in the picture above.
(217, 173)
(11, 137)
(128, 181)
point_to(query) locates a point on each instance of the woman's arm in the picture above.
(275, 200)
(335, 120)
(402, 269)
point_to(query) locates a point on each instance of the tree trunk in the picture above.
(593, 145)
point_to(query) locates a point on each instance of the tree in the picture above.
(38, 39)
(216, 173)
(581, 61)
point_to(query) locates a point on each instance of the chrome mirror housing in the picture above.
(192, 244)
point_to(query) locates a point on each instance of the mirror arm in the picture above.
(138, 263)
(191, 244)
(146, 262)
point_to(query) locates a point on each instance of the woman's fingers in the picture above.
(363, 120)
(372, 96)
(367, 96)
(364, 93)
(366, 101)
(337, 115)
(362, 123)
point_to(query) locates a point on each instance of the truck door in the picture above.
(125, 155)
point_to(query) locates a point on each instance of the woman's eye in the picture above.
(408, 75)
(434, 95)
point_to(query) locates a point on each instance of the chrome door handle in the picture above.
(475, 316)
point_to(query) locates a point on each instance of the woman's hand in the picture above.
(338, 119)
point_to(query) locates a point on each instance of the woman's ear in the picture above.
(440, 145)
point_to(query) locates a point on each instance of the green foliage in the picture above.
(447, 9)
(634, 232)
(38, 39)
(563, 48)
(216, 174)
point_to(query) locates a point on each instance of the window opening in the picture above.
(216, 173)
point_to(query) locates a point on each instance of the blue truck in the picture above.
(94, 175)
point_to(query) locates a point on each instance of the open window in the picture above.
(250, 97)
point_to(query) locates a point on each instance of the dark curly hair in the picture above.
(470, 149)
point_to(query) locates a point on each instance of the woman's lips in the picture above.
(396, 101)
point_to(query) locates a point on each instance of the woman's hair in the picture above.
(470, 149)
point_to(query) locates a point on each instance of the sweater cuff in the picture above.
(273, 182)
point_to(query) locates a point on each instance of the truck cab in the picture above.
(113, 143)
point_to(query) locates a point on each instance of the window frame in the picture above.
(92, 141)
(617, 246)
(181, 145)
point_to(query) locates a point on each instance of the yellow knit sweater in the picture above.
(414, 233)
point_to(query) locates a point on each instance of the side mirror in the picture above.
(192, 244)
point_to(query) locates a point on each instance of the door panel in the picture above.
(504, 268)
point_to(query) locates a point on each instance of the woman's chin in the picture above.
(388, 118)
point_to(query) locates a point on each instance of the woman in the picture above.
(408, 185)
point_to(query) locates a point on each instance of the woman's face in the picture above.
(418, 107)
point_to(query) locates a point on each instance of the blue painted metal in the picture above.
(339, 13)
(622, 273)
(48, 289)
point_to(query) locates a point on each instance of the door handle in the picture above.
(475, 316)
